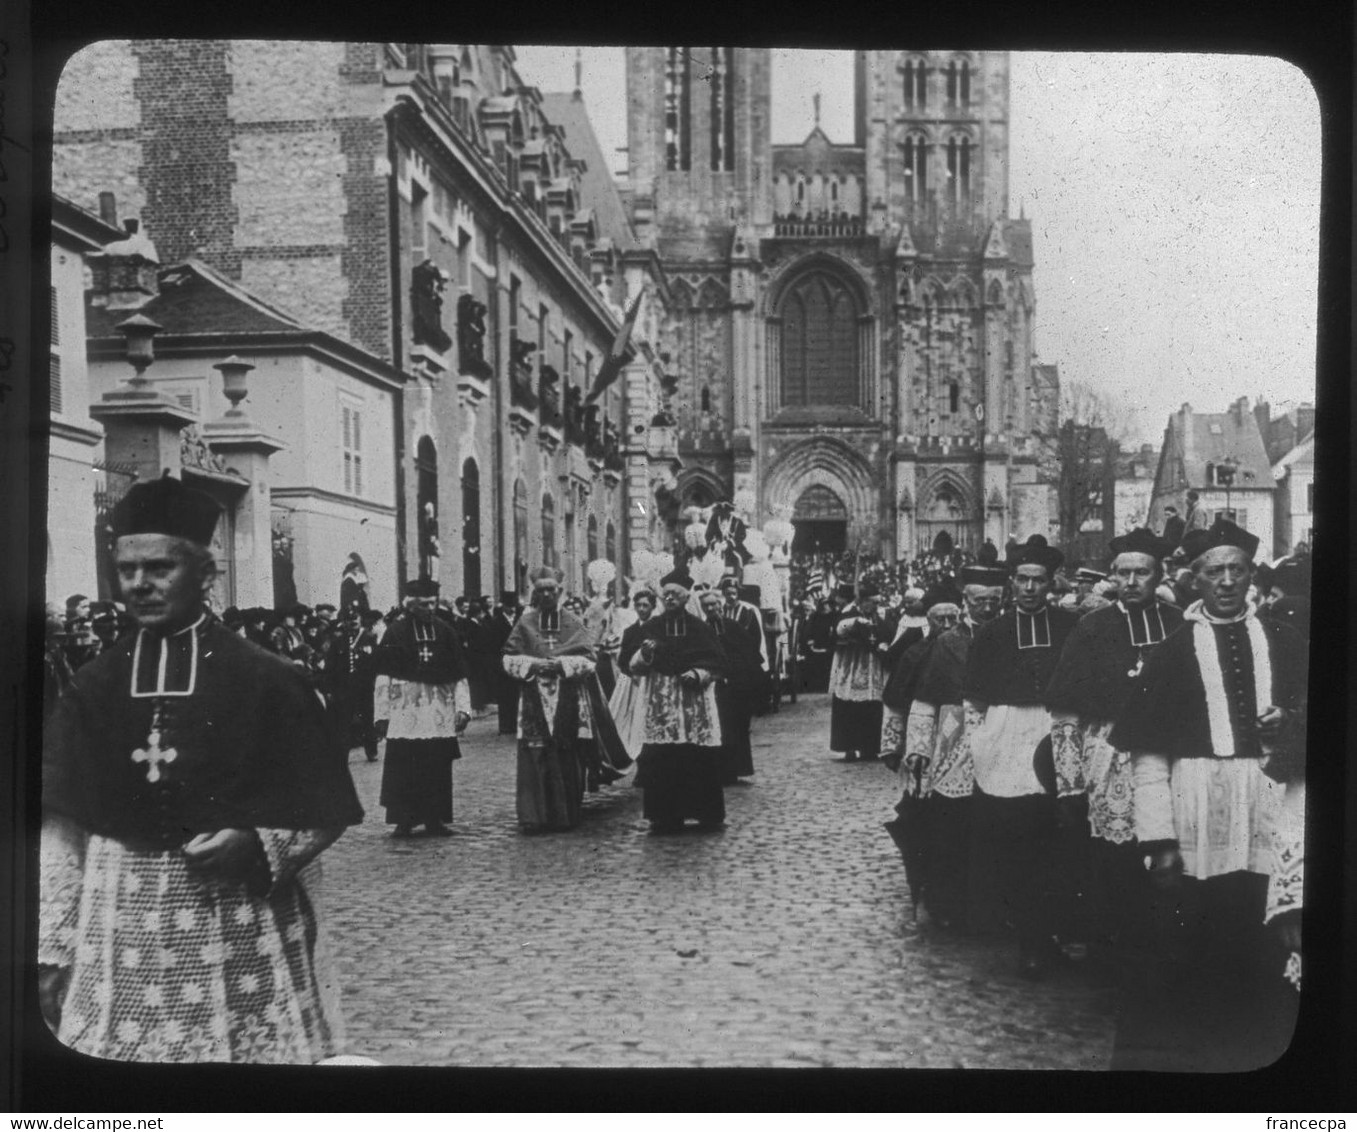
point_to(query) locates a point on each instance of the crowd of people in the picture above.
(1114, 772)
(1110, 764)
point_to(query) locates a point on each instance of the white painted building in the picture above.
(75, 439)
(1295, 500)
(320, 410)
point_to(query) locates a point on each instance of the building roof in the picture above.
(1210, 438)
(80, 226)
(817, 154)
(1302, 453)
(195, 299)
(597, 187)
(1018, 236)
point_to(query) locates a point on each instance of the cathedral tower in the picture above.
(850, 320)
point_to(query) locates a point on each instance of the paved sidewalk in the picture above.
(783, 941)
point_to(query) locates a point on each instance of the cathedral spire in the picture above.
(815, 98)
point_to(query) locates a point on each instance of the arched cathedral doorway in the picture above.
(820, 521)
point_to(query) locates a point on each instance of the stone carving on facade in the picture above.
(574, 415)
(194, 453)
(549, 390)
(471, 337)
(593, 430)
(427, 284)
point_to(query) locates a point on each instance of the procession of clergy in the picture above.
(1125, 783)
(1065, 778)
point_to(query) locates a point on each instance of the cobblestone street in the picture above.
(783, 941)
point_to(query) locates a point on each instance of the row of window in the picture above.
(957, 150)
(714, 67)
(956, 78)
(550, 550)
(543, 322)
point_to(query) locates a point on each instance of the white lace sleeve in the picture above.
(573, 666)
(1154, 799)
(519, 667)
(1067, 750)
(461, 696)
(381, 699)
(290, 850)
(921, 729)
(62, 856)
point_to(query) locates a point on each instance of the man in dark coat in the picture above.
(1007, 671)
(1099, 666)
(1174, 528)
(494, 634)
(937, 759)
(422, 705)
(679, 767)
(1216, 723)
(734, 692)
(349, 675)
(188, 778)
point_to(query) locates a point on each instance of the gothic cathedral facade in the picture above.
(851, 323)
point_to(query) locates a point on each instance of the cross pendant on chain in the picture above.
(153, 755)
(425, 655)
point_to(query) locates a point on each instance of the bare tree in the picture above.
(1093, 426)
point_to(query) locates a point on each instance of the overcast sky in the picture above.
(1174, 202)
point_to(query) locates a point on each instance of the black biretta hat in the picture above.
(421, 587)
(1142, 540)
(1220, 533)
(166, 507)
(1036, 551)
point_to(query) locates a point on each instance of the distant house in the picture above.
(1295, 515)
(1134, 488)
(311, 478)
(1222, 457)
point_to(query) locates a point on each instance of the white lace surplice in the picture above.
(419, 711)
(1221, 811)
(518, 667)
(1286, 883)
(1003, 742)
(628, 709)
(939, 733)
(676, 713)
(168, 968)
(857, 674)
(1086, 763)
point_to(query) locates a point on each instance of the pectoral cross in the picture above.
(551, 629)
(425, 654)
(152, 754)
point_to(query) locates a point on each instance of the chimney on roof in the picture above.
(108, 209)
(1305, 421)
(124, 273)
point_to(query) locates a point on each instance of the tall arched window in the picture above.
(591, 538)
(820, 342)
(520, 533)
(916, 166)
(722, 82)
(610, 542)
(916, 84)
(958, 83)
(549, 555)
(959, 168)
(677, 126)
(706, 399)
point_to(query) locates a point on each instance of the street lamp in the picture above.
(1225, 473)
(139, 332)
